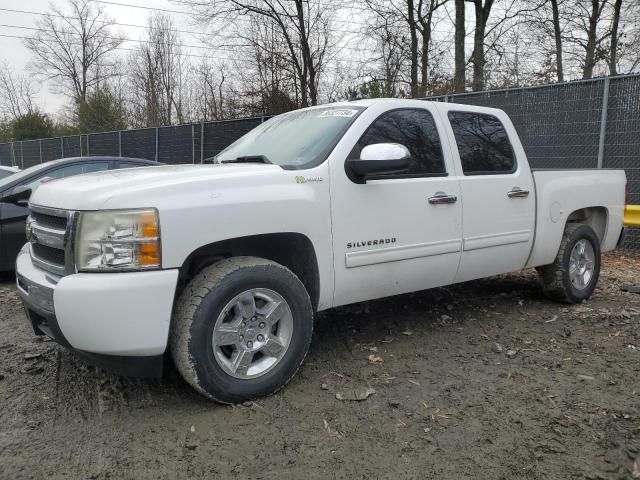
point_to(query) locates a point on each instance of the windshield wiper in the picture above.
(248, 159)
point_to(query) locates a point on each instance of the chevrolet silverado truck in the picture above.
(225, 265)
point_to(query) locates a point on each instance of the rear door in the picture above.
(498, 192)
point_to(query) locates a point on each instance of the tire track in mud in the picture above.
(447, 405)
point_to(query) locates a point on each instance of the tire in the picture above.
(557, 277)
(218, 301)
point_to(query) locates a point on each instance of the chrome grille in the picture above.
(53, 256)
(51, 239)
(49, 221)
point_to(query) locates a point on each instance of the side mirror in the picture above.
(18, 196)
(379, 158)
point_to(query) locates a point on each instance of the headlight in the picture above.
(118, 240)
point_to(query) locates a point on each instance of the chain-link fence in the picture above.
(174, 144)
(582, 124)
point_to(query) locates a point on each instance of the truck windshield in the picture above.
(294, 140)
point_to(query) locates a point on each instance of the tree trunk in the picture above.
(558, 37)
(613, 69)
(414, 48)
(426, 42)
(308, 80)
(482, 15)
(459, 78)
(590, 51)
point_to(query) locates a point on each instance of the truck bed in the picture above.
(561, 195)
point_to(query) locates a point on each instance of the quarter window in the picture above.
(416, 130)
(483, 144)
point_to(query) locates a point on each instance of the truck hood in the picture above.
(140, 187)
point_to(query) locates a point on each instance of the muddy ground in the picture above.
(557, 398)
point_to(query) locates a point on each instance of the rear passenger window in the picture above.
(416, 130)
(483, 144)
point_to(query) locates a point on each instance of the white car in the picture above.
(225, 265)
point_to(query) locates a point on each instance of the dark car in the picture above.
(16, 189)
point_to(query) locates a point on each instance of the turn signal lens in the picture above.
(150, 225)
(149, 254)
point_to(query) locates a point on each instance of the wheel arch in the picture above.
(290, 249)
(549, 233)
(595, 217)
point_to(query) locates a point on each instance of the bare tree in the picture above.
(17, 93)
(393, 55)
(209, 91)
(492, 26)
(415, 20)
(267, 80)
(587, 29)
(73, 47)
(302, 24)
(426, 10)
(626, 54)
(156, 72)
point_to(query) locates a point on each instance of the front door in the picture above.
(394, 234)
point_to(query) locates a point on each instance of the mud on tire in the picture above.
(204, 310)
(556, 277)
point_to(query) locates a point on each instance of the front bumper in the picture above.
(116, 321)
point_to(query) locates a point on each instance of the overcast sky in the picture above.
(13, 51)
(352, 47)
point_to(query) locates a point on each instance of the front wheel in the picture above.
(573, 276)
(241, 329)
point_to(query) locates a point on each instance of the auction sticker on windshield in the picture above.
(339, 112)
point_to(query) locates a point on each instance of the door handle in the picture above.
(517, 192)
(440, 198)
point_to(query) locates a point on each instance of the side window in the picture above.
(45, 177)
(67, 171)
(416, 130)
(483, 144)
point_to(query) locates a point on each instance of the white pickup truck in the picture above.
(225, 265)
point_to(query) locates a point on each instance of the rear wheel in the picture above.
(573, 276)
(241, 330)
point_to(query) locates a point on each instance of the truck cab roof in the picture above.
(391, 103)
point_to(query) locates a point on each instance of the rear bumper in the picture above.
(116, 321)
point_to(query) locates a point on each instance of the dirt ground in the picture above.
(484, 380)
